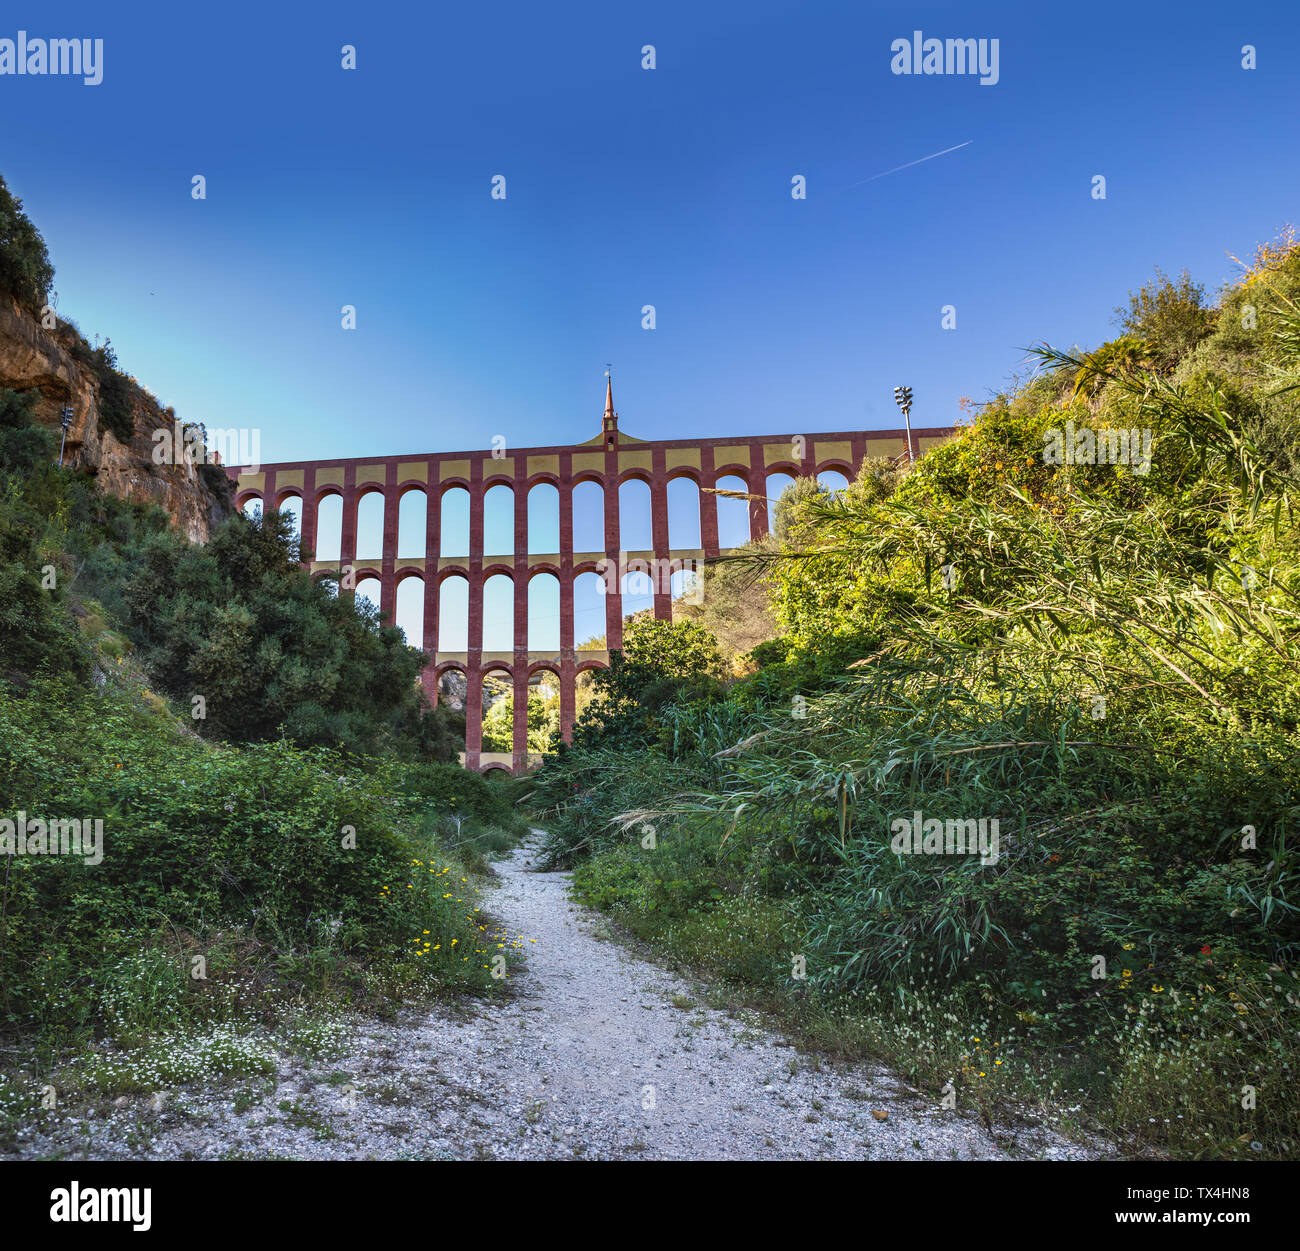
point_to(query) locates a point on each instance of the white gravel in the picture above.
(591, 1058)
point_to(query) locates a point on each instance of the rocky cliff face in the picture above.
(51, 361)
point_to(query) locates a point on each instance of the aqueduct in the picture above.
(745, 466)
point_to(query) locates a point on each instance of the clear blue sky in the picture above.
(628, 187)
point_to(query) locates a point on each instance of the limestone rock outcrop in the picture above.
(48, 361)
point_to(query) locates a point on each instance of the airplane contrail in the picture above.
(909, 164)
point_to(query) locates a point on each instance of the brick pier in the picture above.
(609, 459)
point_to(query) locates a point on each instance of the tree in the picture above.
(733, 602)
(25, 269)
(1170, 316)
(660, 662)
(543, 721)
(36, 632)
(23, 444)
(1127, 355)
(273, 651)
(837, 616)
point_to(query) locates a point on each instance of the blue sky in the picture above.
(627, 187)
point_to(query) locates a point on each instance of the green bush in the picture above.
(447, 789)
(1106, 663)
(1169, 315)
(268, 650)
(116, 398)
(294, 847)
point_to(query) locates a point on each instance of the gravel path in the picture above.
(598, 1055)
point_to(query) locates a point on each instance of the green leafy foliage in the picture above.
(239, 624)
(295, 849)
(25, 270)
(732, 601)
(1169, 317)
(543, 722)
(1102, 657)
(269, 649)
(116, 401)
(659, 662)
(312, 865)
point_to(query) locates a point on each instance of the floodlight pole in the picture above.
(903, 398)
(65, 421)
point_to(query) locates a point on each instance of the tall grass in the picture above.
(1105, 662)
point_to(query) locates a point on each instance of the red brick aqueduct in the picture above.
(609, 459)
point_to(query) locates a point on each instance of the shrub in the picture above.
(287, 851)
(1170, 315)
(116, 394)
(1105, 663)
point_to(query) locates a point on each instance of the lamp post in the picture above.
(66, 422)
(903, 398)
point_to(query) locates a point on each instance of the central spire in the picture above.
(609, 426)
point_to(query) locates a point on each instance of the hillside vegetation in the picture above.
(270, 827)
(1093, 652)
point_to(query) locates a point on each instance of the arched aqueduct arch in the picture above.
(609, 460)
